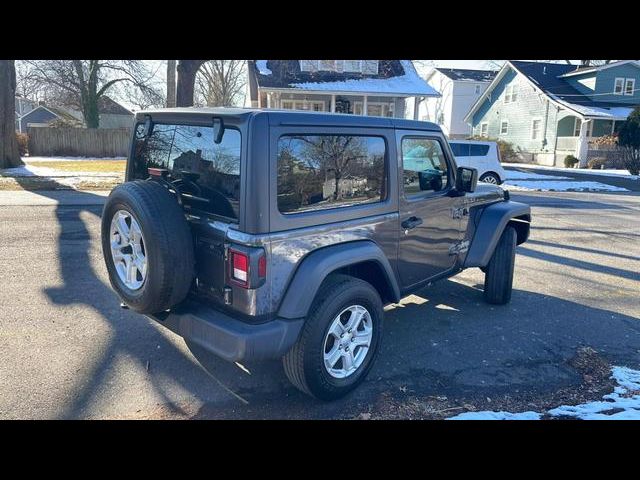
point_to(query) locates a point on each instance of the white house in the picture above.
(459, 89)
(362, 87)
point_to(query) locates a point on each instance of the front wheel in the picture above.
(491, 178)
(339, 340)
(498, 279)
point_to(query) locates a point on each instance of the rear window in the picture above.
(318, 172)
(460, 149)
(209, 172)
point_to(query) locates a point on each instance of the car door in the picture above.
(429, 215)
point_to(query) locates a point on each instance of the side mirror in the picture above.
(466, 179)
(218, 129)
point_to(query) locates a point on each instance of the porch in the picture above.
(575, 136)
(355, 104)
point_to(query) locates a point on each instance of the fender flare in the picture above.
(317, 265)
(492, 222)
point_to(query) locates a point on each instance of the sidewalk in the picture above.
(51, 197)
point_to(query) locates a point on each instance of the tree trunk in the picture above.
(9, 156)
(171, 83)
(187, 70)
(91, 112)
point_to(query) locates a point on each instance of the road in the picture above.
(68, 351)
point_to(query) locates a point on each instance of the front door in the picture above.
(429, 217)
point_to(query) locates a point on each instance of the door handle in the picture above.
(411, 222)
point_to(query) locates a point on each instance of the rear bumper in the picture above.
(229, 338)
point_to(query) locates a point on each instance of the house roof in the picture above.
(108, 106)
(395, 77)
(583, 70)
(468, 75)
(548, 78)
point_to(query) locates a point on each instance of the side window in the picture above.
(478, 150)
(424, 166)
(460, 149)
(319, 172)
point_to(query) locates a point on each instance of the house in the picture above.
(551, 110)
(361, 87)
(460, 89)
(43, 116)
(112, 114)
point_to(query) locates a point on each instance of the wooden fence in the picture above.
(79, 142)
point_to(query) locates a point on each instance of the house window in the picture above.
(576, 127)
(504, 127)
(536, 129)
(484, 129)
(309, 65)
(327, 65)
(510, 94)
(374, 109)
(629, 86)
(370, 67)
(477, 89)
(313, 105)
(352, 66)
(618, 86)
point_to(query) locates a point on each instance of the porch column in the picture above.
(416, 107)
(583, 144)
(364, 105)
(333, 104)
(268, 99)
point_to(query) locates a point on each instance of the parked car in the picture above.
(260, 234)
(483, 156)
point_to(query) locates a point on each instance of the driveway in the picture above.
(69, 351)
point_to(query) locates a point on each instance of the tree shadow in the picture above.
(169, 369)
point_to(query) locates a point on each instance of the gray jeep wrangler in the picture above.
(260, 234)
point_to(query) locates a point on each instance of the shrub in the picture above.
(631, 159)
(596, 163)
(629, 133)
(507, 151)
(23, 143)
(570, 161)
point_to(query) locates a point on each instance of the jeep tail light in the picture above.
(239, 268)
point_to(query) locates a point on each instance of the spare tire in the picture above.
(147, 246)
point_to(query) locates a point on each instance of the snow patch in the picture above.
(261, 65)
(496, 416)
(34, 171)
(559, 186)
(69, 159)
(514, 175)
(622, 404)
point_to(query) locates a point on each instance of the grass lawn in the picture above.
(116, 166)
(38, 183)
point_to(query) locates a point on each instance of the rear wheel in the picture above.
(339, 341)
(498, 279)
(490, 178)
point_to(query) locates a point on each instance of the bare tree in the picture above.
(171, 83)
(221, 83)
(187, 70)
(81, 83)
(9, 156)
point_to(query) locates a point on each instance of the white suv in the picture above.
(483, 156)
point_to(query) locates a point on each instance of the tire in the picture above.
(490, 177)
(498, 279)
(166, 246)
(304, 364)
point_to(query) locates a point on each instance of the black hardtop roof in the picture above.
(288, 117)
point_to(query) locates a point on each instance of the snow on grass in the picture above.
(34, 171)
(622, 404)
(70, 159)
(559, 186)
(609, 172)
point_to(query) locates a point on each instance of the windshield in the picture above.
(207, 172)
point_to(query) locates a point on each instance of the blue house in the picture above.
(551, 110)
